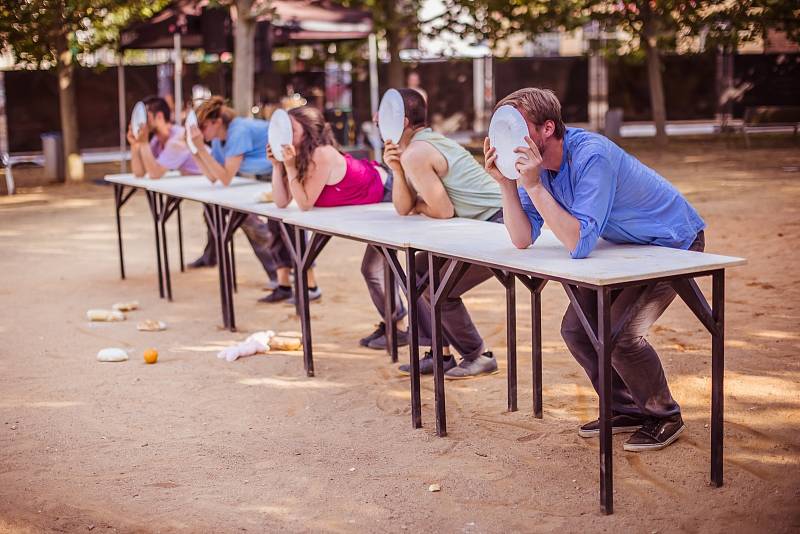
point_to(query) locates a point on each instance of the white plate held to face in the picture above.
(391, 116)
(507, 131)
(191, 120)
(138, 118)
(280, 132)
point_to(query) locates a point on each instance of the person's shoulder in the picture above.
(583, 145)
(326, 153)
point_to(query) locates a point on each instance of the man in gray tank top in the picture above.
(436, 177)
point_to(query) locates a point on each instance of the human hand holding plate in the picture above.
(130, 137)
(507, 131)
(528, 163)
(289, 155)
(391, 116)
(490, 162)
(280, 132)
(196, 136)
(391, 156)
(188, 124)
(138, 118)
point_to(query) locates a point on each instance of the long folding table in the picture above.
(452, 246)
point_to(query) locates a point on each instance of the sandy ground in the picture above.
(197, 444)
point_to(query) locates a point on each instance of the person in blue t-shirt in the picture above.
(239, 146)
(586, 187)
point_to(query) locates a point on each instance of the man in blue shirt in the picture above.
(586, 187)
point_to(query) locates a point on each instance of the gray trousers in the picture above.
(372, 269)
(262, 240)
(458, 330)
(638, 384)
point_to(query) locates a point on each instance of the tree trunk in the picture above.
(655, 82)
(65, 67)
(243, 58)
(396, 77)
(394, 37)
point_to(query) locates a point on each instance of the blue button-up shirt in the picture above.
(614, 196)
(246, 138)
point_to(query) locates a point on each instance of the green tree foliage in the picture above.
(47, 33)
(652, 26)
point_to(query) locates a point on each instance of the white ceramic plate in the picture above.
(191, 120)
(507, 131)
(138, 118)
(280, 132)
(391, 116)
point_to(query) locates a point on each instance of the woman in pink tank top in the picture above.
(315, 173)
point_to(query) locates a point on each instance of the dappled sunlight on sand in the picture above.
(213, 346)
(291, 383)
(776, 334)
(40, 404)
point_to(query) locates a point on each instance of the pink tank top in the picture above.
(361, 185)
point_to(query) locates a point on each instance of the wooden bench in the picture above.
(770, 118)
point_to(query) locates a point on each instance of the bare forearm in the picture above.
(403, 197)
(280, 189)
(566, 227)
(297, 190)
(136, 162)
(517, 223)
(212, 168)
(203, 167)
(154, 170)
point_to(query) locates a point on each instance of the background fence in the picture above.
(689, 83)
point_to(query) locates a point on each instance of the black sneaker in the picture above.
(380, 342)
(620, 424)
(203, 261)
(655, 434)
(426, 365)
(380, 331)
(279, 295)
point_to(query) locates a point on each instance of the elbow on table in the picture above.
(305, 206)
(521, 243)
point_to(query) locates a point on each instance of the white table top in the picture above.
(371, 222)
(467, 239)
(608, 264)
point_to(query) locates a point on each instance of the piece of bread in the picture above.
(126, 306)
(290, 333)
(112, 355)
(105, 315)
(265, 196)
(285, 343)
(151, 325)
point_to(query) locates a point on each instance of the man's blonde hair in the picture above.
(538, 106)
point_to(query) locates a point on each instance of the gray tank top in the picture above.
(474, 194)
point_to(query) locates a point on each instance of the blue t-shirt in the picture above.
(248, 138)
(614, 196)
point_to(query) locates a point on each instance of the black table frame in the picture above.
(445, 271)
(162, 207)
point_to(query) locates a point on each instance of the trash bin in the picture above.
(613, 127)
(53, 150)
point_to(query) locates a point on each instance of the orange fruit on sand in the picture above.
(150, 356)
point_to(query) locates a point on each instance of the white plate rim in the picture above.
(513, 114)
(280, 118)
(391, 97)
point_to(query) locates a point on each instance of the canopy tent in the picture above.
(193, 24)
(290, 22)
